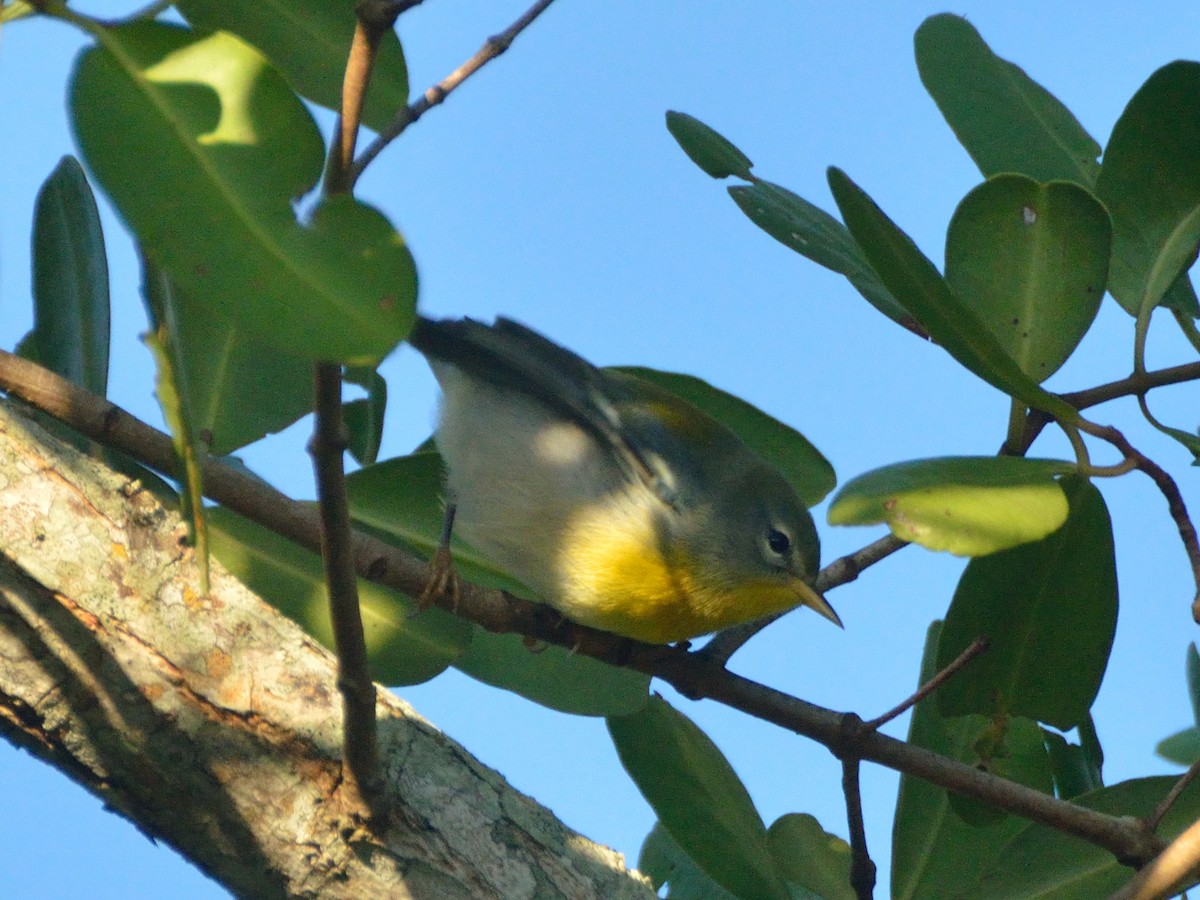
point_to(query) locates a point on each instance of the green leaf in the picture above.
(934, 852)
(663, 861)
(811, 857)
(1043, 862)
(916, 284)
(309, 41)
(238, 389)
(401, 499)
(706, 148)
(1073, 774)
(364, 417)
(402, 648)
(785, 448)
(813, 233)
(969, 505)
(698, 798)
(70, 280)
(1031, 260)
(1049, 610)
(232, 147)
(1152, 188)
(1183, 747)
(174, 399)
(1006, 746)
(1192, 667)
(1006, 121)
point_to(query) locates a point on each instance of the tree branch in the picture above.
(492, 47)
(691, 674)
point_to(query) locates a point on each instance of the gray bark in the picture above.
(213, 723)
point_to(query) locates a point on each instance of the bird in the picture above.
(623, 506)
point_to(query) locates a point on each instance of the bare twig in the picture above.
(974, 649)
(354, 675)
(1170, 490)
(862, 868)
(96, 418)
(492, 47)
(841, 571)
(1168, 801)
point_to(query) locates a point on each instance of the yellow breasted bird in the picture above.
(623, 506)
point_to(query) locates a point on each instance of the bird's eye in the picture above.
(778, 541)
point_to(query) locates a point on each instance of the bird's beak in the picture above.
(813, 600)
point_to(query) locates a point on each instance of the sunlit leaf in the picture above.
(1031, 260)
(1049, 611)
(70, 280)
(698, 797)
(1005, 120)
(916, 284)
(970, 505)
(309, 41)
(787, 449)
(224, 148)
(402, 648)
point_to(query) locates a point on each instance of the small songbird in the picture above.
(620, 504)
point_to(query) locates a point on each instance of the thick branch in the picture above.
(212, 722)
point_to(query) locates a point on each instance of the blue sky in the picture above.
(547, 189)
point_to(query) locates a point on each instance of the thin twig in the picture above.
(862, 867)
(354, 676)
(974, 649)
(1168, 801)
(841, 571)
(492, 47)
(96, 418)
(1170, 490)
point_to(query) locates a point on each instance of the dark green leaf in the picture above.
(706, 148)
(698, 798)
(309, 41)
(1008, 747)
(970, 505)
(1183, 747)
(70, 280)
(402, 648)
(232, 147)
(1192, 667)
(1031, 260)
(238, 389)
(1049, 610)
(785, 448)
(1044, 862)
(934, 852)
(1072, 771)
(364, 417)
(811, 857)
(1152, 188)
(812, 232)
(401, 499)
(916, 284)
(1005, 120)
